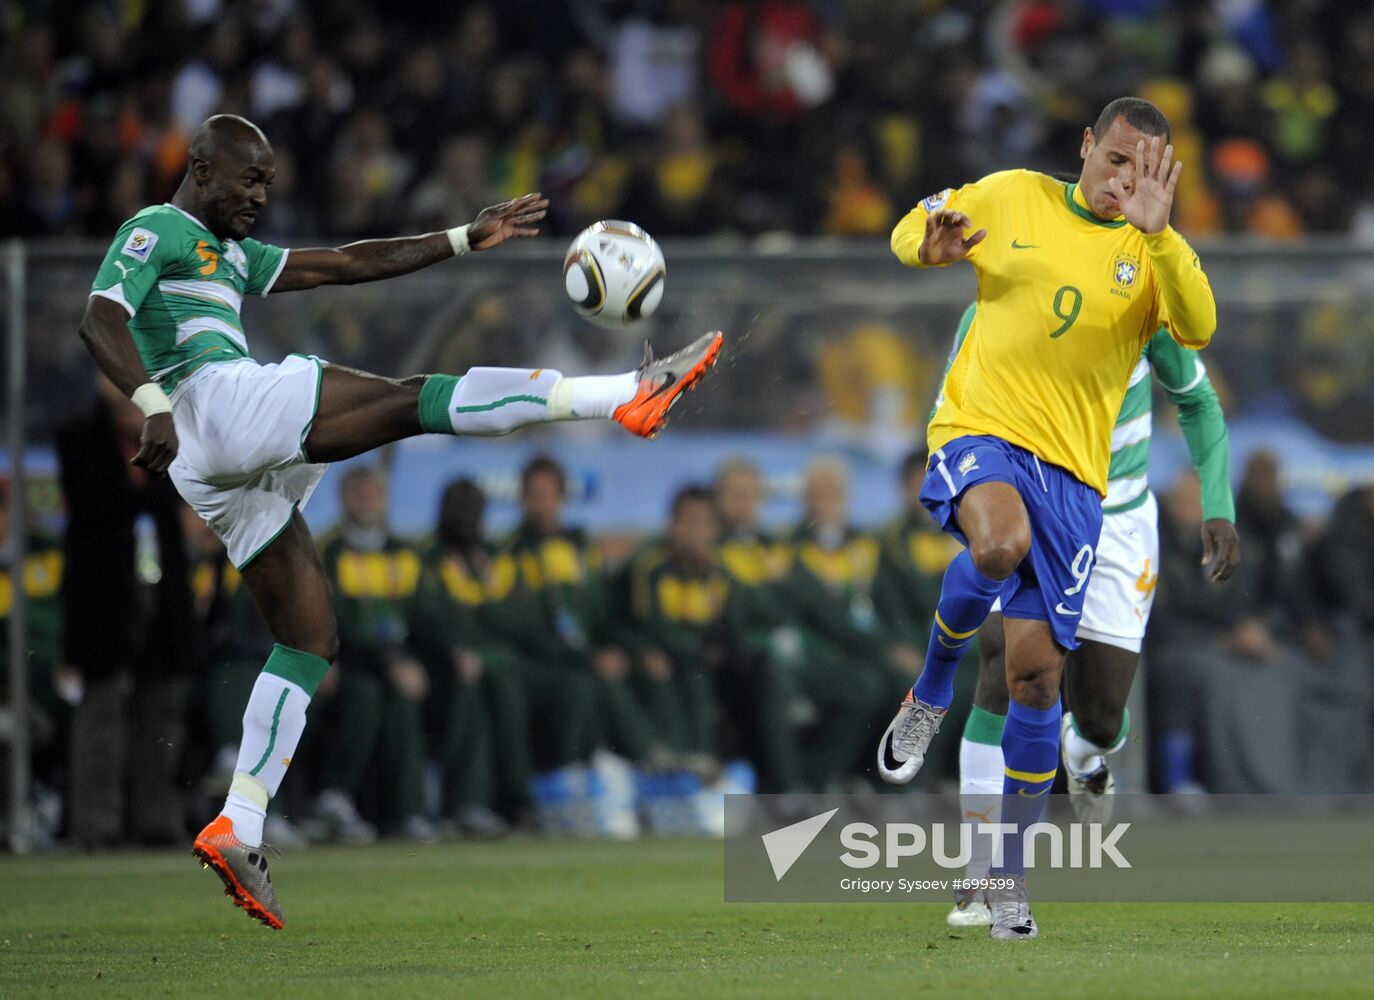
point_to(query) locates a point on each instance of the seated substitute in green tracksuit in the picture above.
(376, 709)
(852, 668)
(483, 689)
(559, 615)
(680, 601)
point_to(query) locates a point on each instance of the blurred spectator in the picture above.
(375, 695)
(1219, 654)
(875, 388)
(129, 630)
(199, 85)
(457, 189)
(50, 683)
(1344, 559)
(370, 174)
(654, 55)
(681, 190)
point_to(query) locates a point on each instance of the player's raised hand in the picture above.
(1147, 207)
(945, 242)
(157, 447)
(509, 220)
(1220, 548)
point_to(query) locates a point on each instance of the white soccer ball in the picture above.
(614, 273)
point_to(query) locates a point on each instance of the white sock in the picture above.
(272, 727)
(488, 401)
(246, 808)
(980, 798)
(1082, 756)
(585, 397)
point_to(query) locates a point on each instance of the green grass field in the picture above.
(535, 918)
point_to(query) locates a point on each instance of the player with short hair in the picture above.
(246, 444)
(1098, 674)
(1073, 281)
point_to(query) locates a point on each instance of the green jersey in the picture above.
(1184, 379)
(183, 288)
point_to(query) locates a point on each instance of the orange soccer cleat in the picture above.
(664, 381)
(243, 870)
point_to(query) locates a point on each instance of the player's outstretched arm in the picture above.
(373, 260)
(1190, 308)
(942, 240)
(105, 332)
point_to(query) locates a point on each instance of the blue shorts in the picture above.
(1065, 519)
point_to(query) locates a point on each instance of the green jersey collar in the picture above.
(1074, 199)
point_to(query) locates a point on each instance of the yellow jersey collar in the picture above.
(1079, 206)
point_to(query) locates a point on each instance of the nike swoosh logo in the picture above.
(668, 380)
(1024, 246)
(1031, 795)
(947, 645)
(1059, 609)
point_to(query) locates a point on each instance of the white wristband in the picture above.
(150, 398)
(458, 239)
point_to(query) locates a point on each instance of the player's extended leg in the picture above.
(359, 411)
(992, 516)
(1097, 684)
(980, 768)
(289, 586)
(1030, 751)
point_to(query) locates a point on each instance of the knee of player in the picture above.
(1098, 724)
(329, 648)
(1033, 681)
(998, 556)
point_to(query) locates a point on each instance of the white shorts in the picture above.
(1122, 588)
(240, 464)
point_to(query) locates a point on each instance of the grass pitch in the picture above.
(536, 918)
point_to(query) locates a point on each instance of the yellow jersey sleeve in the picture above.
(971, 199)
(1066, 302)
(1187, 308)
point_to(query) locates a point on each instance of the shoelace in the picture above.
(920, 724)
(1013, 910)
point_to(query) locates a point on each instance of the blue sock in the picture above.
(966, 597)
(1030, 747)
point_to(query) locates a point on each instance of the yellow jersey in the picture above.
(1066, 303)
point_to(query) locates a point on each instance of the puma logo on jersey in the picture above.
(124, 269)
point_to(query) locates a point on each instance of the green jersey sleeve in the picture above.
(140, 252)
(265, 263)
(965, 321)
(1184, 378)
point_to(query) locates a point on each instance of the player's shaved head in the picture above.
(229, 169)
(222, 135)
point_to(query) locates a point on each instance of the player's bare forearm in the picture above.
(105, 332)
(373, 260)
(369, 260)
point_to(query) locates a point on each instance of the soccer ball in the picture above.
(614, 273)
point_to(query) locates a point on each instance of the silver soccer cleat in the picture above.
(1011, 913)
(903, 748)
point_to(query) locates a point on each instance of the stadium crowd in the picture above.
(806, 116)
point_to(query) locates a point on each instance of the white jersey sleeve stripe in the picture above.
(115, 293)
(281, 266)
